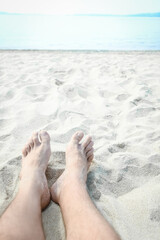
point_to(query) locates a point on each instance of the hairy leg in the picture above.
(81, 217)
(22, 219)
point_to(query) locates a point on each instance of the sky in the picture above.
(80, 6)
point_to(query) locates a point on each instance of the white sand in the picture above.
(115, 97)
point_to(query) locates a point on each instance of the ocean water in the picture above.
(79, 32)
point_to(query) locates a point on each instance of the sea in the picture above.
(51, 32)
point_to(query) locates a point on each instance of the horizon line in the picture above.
(149, 14)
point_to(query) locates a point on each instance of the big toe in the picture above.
(44, 137)
(77, 137)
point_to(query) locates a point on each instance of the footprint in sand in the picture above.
(58, 82)
(155, 215)
(119, 147)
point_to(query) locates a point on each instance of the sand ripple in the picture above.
(115, 97)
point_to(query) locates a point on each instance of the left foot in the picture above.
(35, 157)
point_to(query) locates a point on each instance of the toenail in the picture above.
(79, 134)
(42, 132)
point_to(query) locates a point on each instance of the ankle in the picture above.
(33, 181)
(67, 184)
(72, 185)
(75, 176)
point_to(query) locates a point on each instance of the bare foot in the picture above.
(35, 157)
(78, 160)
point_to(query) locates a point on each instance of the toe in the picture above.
(24, 152)
(27, 148)
(77, 137)
(35, 139)
(90, 158)
(89, 146)
(31, 144)
(44, 137)
(86, 142)
(89, 153)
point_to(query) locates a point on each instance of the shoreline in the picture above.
(77, 50)
(80, 51)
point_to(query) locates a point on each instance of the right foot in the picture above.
(78, 160)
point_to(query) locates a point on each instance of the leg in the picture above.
(82, 219)
(22, 219)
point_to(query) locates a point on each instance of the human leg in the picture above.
(22, 219)
(81, 217)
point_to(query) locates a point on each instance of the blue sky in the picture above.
(80, 6)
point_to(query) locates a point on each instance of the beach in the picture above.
(112, 96)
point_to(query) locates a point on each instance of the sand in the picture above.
(113, 96)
